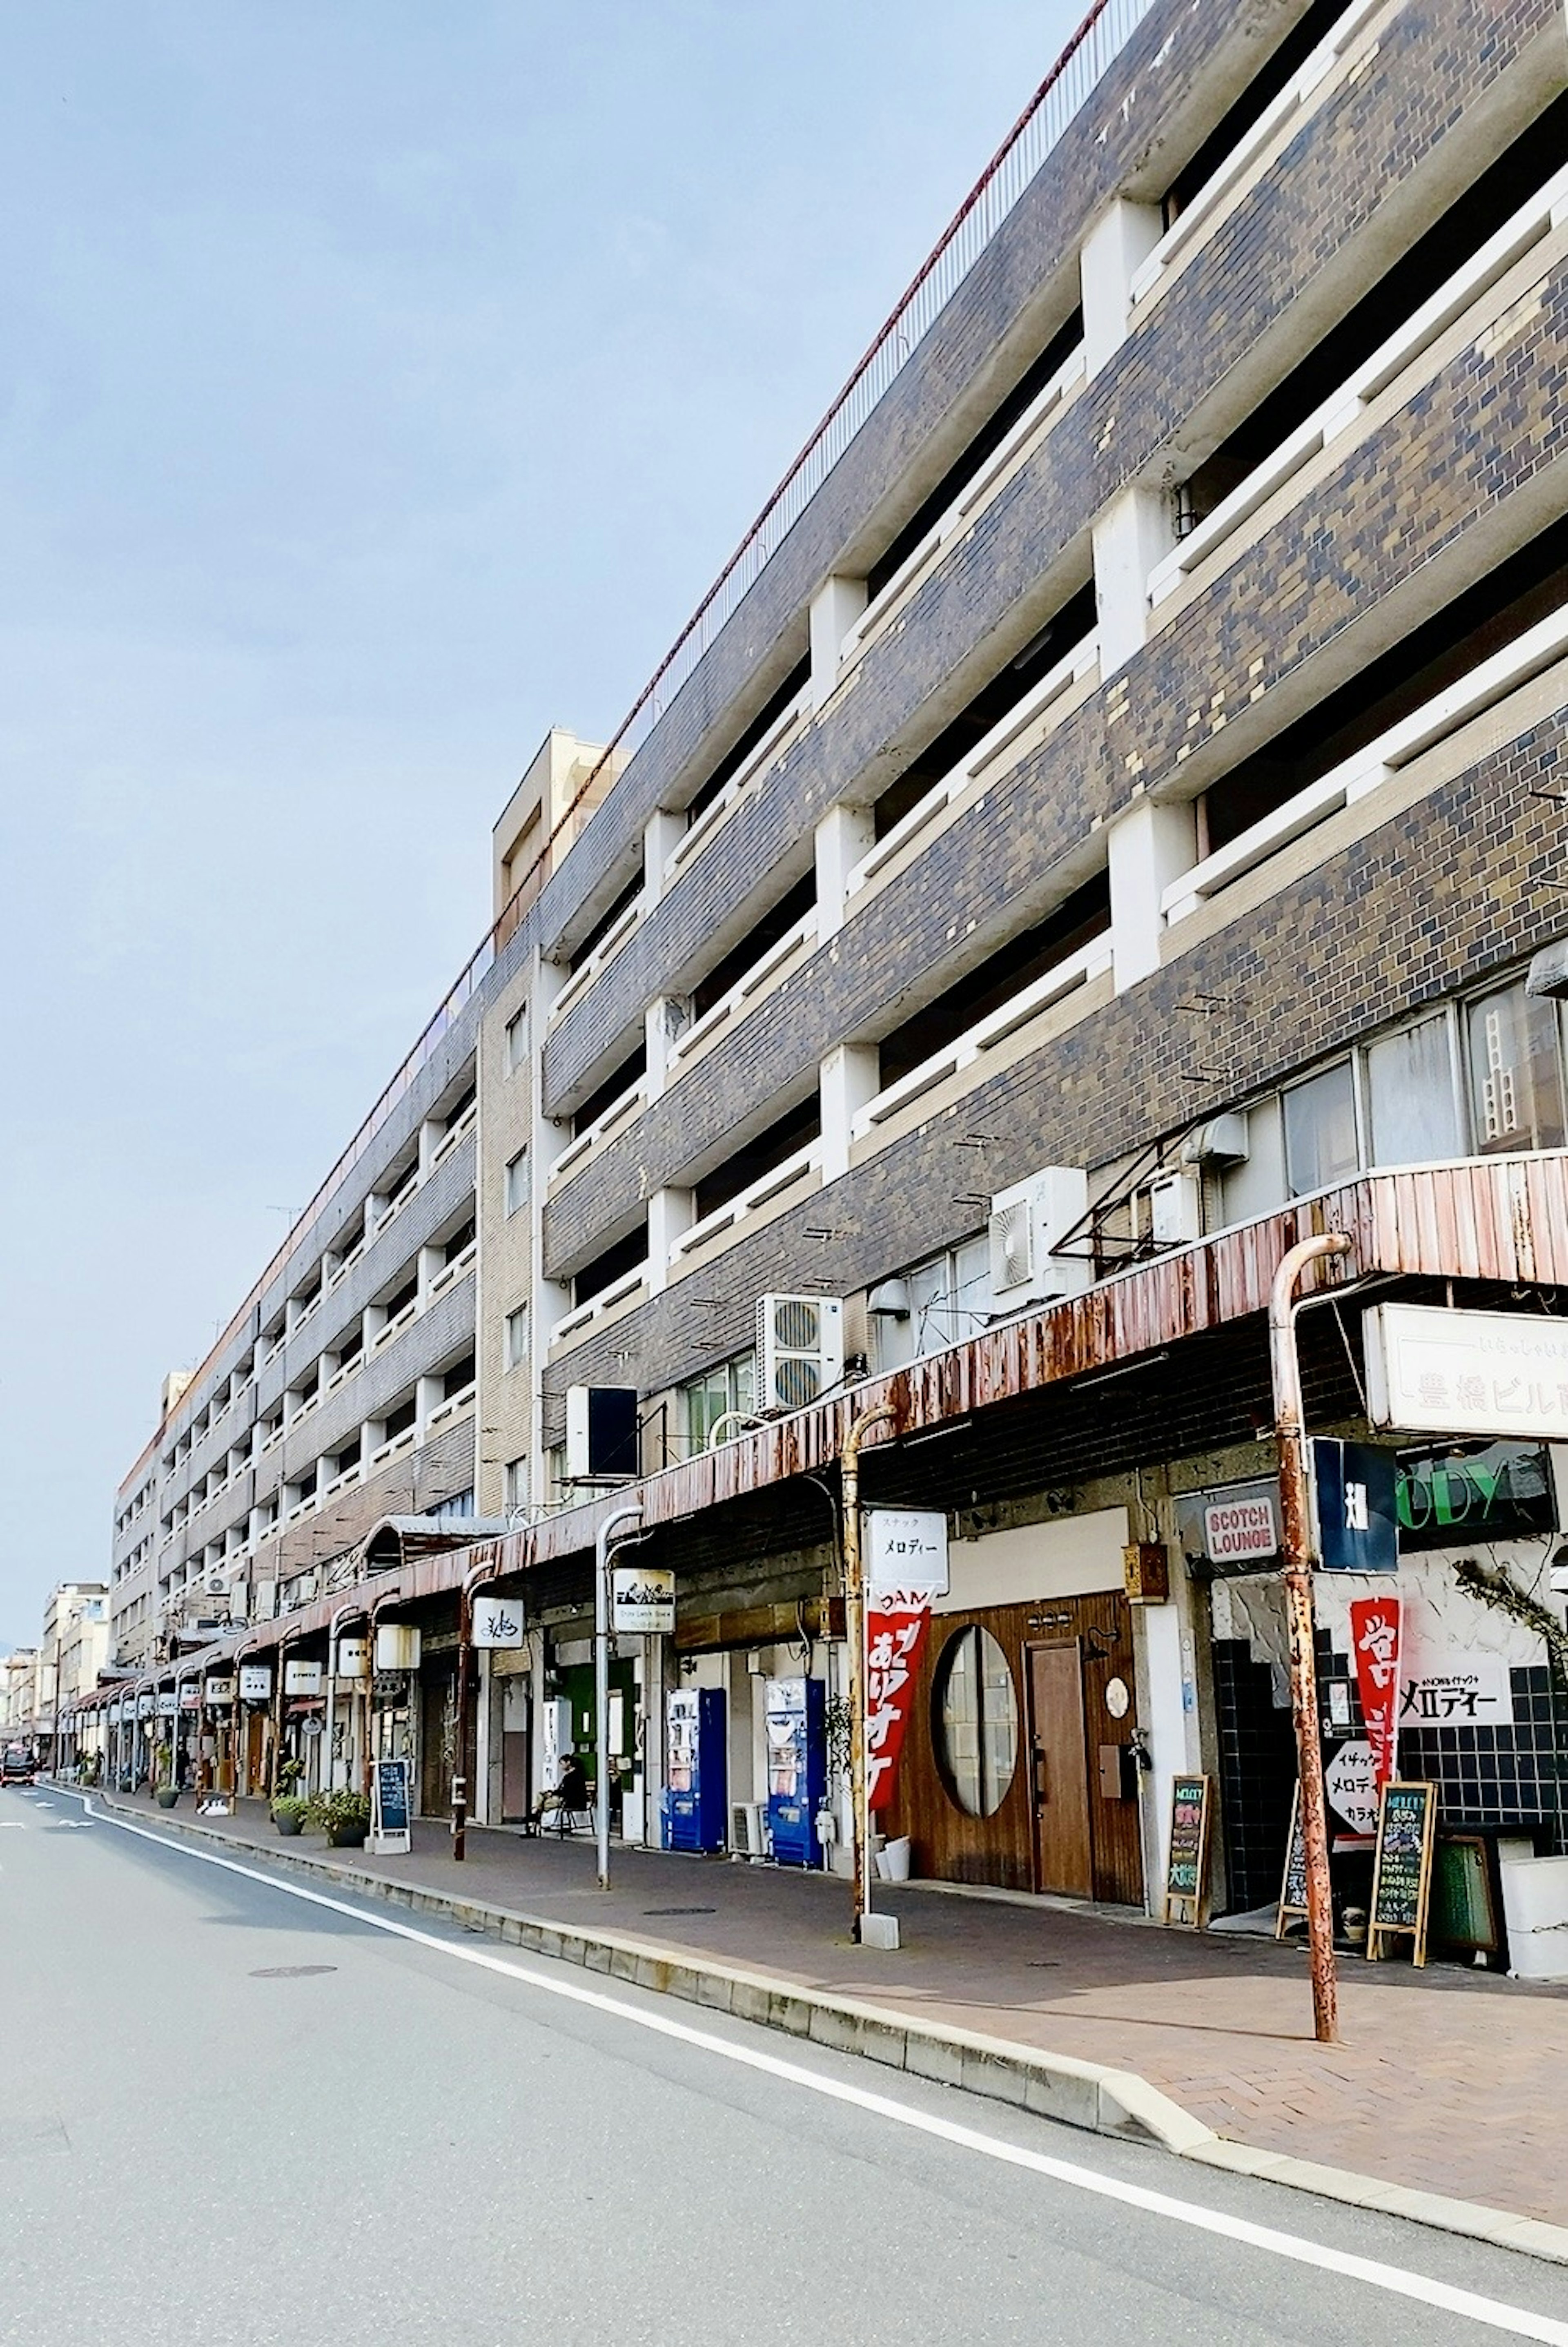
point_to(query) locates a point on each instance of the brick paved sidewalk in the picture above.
(1452, 2081)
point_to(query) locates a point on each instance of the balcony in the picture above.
(618, 1292)
(1539, 648)
(450, 1273)
(620, 1110)
(394, 1449)
(768, 1186)
(1041, 413)
(454, 1134)
(793, 945)
(1277, 121)
(1344, 408)
(698, 835)
(451, 1408)
(1042, 707)
(1078, 969)
(581, 979)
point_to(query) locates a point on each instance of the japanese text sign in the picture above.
(894, 1636)
(1439, 1372)
(1375, 1640)
(907, 1551)
(498, 1622)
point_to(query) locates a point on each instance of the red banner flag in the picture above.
(1375, 1641)
(894, 1635)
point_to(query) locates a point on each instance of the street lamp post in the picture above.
(605, 1539)
(1297, 1551)
(855, 1634)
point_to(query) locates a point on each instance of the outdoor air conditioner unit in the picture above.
(1027, 1223)
(748, 1829)
(1175, 1209)
(217, 1584)
(266, 1601)
(800, 1349)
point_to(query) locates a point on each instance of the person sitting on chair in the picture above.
(570, 1792)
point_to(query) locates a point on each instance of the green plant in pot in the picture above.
(165, 1791)
(342, 1816)
(288, 1813)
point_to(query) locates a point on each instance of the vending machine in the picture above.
(797, 1767)
(696, 1772)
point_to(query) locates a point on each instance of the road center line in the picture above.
(1517, 2320)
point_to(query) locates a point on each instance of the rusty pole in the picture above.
(855, 1635)
(473, 1583)
(1297, 1550)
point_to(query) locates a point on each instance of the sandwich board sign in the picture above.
(389, 1805)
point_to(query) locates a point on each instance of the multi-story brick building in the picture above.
(1127, 753)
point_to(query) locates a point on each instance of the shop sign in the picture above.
(1241, 1531)
(894, 1635)
(498, 1622)
(1375, 1646)
(396, 1646)
(114, 1714)
(167, 1703)
(219, 1694)
(1488, 1491)
(1349, 1786)
(642, 1600)
(190, 1696)
(144, 1707)
(256, 1682)
(353, 1658)
(1357, 1520)
(1456, 1690)
(1431, 1371)
(303, 1678)
(907, 1551)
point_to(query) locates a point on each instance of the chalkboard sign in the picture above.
(1187, 1865)
(1465, 1902)
(1402, 1867)
(389, 1807)
(1293, 1890)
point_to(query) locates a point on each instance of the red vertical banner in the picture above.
(1375, 1641)
(896, 1631)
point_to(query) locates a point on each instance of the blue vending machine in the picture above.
(696, 1778)
(797, 1767)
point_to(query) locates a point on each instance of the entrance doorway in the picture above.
(1058, 1762)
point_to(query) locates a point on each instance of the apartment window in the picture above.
(454, 1510)
(518, 1483)
(1411, 1097)
(949, 1299)
(517, 1041)
(1320, 1144)
(731, 1386)
(516, 1336)
(518, 1182)
(1515, 1072)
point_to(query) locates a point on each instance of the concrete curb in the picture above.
(1085, 2094)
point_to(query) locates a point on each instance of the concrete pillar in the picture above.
(670, 1213)
(432, 1133)
(1152, 844)
(1132, 535)
(428, 1267)
(1121, 240)
(427, 1398)
(849, 1077)
(835, 608)
(664, 1023)
(844, 835)
(662, 834)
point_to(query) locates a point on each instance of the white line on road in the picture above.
(1516, 2319)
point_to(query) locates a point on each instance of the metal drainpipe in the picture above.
(344, 1614)
(1297, 1552)
(472, 1583)
(246, 1646)
(855, 1634)
(603, 1541)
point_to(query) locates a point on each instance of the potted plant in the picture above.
(342, 1816)
(165, 1791)
(288, 1814)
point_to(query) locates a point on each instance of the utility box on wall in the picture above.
(1146, 1572)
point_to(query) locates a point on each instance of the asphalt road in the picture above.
(234, 2111)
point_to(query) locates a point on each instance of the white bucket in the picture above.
(893, 1859)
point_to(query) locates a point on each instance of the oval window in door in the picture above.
(974, 1721)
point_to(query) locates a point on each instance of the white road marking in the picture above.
(1517, 2320)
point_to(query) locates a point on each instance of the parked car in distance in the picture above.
(16, 1765)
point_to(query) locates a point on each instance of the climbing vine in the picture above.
(1496, 1588)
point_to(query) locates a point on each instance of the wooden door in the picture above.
(1064, 1854)
(513, 1773)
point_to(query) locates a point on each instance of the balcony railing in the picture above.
(1091, 961)
(583, 978)
(1491, 682)
(1081, 662)
(1530, 226)
(745, 1203)
(697, 834)
(451, 1408)
(623, 1106)
(718, 1014)
(598, 1306)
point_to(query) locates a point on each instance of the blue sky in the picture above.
(380, 383)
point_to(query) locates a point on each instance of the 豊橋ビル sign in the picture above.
(1432, 1371)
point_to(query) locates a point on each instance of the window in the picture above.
(731, 1386)
(517, 1041)
(516, 1336)
(974, 1721)
(1515, 1074)
(1320, 1131)
(518, 1483)
(1411, 1095)
(518, 1182)
(453, 1510)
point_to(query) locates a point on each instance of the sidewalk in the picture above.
(1448, 2081)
